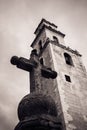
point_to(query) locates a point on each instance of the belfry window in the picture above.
(55, 39)
(67, 78)
(40, 45)
(41, 61)
(68, 59)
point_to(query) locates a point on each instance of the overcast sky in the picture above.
(18, 21)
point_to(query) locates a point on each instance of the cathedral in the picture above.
(58, 84)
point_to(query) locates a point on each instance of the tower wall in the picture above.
(73, 95)
(42, 37)
(49, 86)
(50, 34)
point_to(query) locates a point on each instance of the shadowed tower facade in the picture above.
(62, 99)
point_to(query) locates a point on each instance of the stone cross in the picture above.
(36, 68)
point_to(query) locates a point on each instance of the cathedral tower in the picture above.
(69, 89)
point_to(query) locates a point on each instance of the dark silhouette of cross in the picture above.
(36, 68)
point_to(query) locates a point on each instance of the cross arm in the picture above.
(48, 72)
(22, 63)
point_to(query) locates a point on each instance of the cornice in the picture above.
(66, 48)
(44, 20)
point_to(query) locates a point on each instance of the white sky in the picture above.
(18, 21)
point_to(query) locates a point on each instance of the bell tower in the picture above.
(69, 89)
(58, 84)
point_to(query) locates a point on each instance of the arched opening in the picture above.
(40, 45)
(41, 61)
(68, 59)
(55, 39)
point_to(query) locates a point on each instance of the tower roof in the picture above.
(44, 21)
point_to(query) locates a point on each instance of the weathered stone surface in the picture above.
(38, 111)
(73, 95)
(36, 104)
